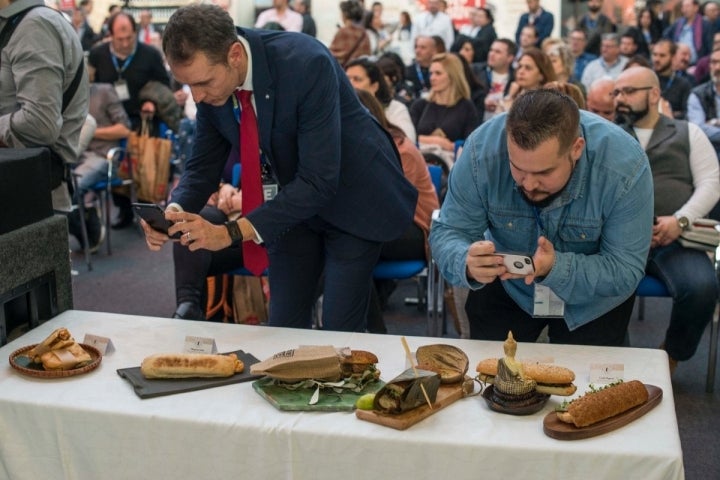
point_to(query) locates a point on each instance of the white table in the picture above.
(93, 426)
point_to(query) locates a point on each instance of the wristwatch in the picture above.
(683, 222)
(233, 229)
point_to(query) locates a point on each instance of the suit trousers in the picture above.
(492, 313)
(301, 256)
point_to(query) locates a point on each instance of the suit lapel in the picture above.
(264, 90)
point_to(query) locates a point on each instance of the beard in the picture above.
(626, 116)
(594, 8)
(545, 201)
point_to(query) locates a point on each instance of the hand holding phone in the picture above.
(517, 263)
(154, 215)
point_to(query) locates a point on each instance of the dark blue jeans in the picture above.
(690, 277)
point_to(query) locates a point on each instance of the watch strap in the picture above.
(233, 228)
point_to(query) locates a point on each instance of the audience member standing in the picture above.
(303, 8)
(692, 30)
(147, 33)
(129, 65)
(686, 182)
(595, 23)
(434, 22)
(481, 32)
(610, 63)
(43, 91)
(351, 40)
(85, 32)
(542, 20)
(290, 20)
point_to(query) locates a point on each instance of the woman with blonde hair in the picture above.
(563, 63)
(447, 115)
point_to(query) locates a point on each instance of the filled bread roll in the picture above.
(68, 358)
(188, 365)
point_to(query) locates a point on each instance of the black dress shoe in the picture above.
(189, 311)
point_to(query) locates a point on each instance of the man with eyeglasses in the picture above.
(571, 191)
(686, 183)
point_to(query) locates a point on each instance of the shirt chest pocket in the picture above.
(513, 232)
(580, 237)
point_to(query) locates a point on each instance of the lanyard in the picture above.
(264, 162)
(669, 83)
(125, 64)
(420, 75)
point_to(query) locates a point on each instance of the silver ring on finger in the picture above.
(187, 236)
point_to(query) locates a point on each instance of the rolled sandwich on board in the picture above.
(550, 379)
(602, 404)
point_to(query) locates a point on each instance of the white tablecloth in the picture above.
(93, 426)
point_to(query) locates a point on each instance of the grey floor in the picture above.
(134, 280)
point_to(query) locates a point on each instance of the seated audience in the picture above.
(447, 115)
(600, 99)
(686, 182)
(365, 75)
(534, 70)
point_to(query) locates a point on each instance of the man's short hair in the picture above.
(511, 46)
(614, 37)
(539, 115)
(671, 45)
(204, 28)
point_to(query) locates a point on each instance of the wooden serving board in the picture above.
(446, 395)
(559, 430)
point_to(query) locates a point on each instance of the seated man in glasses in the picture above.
(574, 194)
(685, 177)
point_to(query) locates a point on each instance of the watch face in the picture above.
(683, 222)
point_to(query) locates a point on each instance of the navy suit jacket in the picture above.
(330, 157)
(543, 24)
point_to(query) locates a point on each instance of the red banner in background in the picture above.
(66, 5)
(457, 9)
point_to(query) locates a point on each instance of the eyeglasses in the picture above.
(627, 91)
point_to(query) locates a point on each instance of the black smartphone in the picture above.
(154, 215)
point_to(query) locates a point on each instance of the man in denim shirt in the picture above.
(570, 189)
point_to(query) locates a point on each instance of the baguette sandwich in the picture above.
(602, 404)
(189, 365)
(550, 379)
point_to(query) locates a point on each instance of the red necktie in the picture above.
(254, 256)
(147, 35)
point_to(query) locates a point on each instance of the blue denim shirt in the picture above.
(600, 226)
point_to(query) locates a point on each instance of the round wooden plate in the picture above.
(20, 362)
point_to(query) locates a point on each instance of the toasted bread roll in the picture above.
(187, 365)
(58, 339)
(72, 356)
(551, 379)
(606, 403)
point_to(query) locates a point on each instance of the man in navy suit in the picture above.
(542, 20)
(341, 192)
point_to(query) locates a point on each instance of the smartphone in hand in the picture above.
(517, 263)
(154, 215)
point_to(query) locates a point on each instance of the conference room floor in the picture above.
(134, 280)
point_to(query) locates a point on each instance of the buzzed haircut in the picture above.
(539, 115)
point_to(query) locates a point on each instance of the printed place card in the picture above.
(200, 345)
(606, 372)
(103, 344)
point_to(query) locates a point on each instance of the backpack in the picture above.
(58, 171)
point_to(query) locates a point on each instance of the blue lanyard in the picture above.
(420, 75)
(669, 83)
(125, 64)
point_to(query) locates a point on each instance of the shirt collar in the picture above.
(248, 84)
